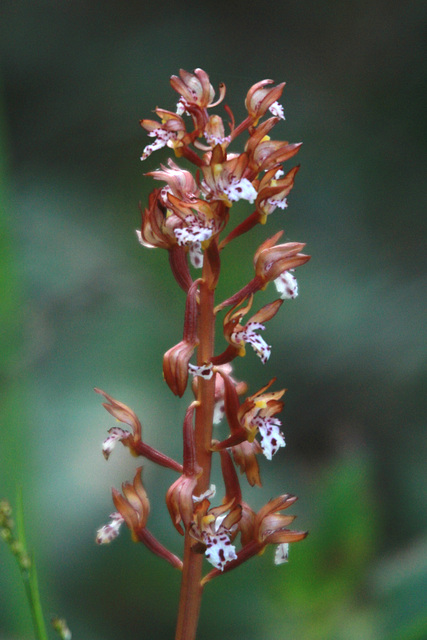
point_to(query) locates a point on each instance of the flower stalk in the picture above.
(14, 536)
(191, 587)
(191, 217)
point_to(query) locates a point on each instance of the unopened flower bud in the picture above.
(176, 359)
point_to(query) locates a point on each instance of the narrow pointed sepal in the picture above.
(133, 441)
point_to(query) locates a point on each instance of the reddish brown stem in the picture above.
(148, 452)
(191, 156)
(158, 549)
(245, 124)
(252, 287)
(236, 438)
(241, 228)
(226, 356)
(191, 589)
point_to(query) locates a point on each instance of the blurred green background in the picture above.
(83, 305)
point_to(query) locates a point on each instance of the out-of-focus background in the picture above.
(83, 305)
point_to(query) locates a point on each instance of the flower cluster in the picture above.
(190, 215)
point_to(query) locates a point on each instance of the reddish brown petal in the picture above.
(285, 536)
(267, 312)
(179, 501)
(231, 403)
(233, 517)
(244, 455)
(272, 524)
(282, 186)
(276, 504)
(154, 231)
(276, 154)
(179, 267)
(126, 510)
(259, 97)
(231, 481)
(271, 261)
(122, 413)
